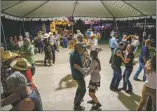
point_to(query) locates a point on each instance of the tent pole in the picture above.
(114, 23)
(23, 25)
(5, 44)
(144, 31)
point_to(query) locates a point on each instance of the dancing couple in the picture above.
(78, 74)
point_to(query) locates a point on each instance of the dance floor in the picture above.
(47, 80)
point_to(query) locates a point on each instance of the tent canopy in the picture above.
(98, 9)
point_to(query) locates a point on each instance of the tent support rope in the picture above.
(107, 9)
(134, 8)
(35, 9)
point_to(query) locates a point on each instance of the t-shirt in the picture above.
(151, 80)
(144, 52)
(116, 60)
(131, 57)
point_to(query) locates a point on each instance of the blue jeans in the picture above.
(53, 53)
(80, 92)
(141, 66)
(126, 82)
(117, 76)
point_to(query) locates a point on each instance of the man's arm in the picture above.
(10, 99)
(144, 56)
(25, 105)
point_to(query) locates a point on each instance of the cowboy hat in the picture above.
(6, 55)
(50, 33)
(20, 64)
(46, 35)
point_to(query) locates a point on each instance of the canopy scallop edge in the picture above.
(49, 10)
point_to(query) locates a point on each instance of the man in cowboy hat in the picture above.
(6, 58)
(27, 51)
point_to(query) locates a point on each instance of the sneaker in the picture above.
(79, 108)
(116, 89)
(91, 101)
(136, 79)
(122, 89)
(96, 107)
(128, 91)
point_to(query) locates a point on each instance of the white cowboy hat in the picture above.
(50, 33)
(46, 35)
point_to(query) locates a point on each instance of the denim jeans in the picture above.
(141, 66)
(117, 76)
(80, 92)
(53, 53)
(126, 82)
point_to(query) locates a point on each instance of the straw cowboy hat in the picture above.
(46, 35)
(20, 64)
(6, 55)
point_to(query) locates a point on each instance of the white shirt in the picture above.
(93, 70)
(113, 42)
(94, 43)
(20, 43)
(151, 80)
(135, 43)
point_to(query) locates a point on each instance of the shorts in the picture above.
(93, 86)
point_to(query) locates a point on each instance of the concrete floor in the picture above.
(47, 80)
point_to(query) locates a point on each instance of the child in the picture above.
(48, 52)
(94, 83)
(129, 62)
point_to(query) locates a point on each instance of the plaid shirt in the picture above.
(5, 72)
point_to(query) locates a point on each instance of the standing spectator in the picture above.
(40, 44)
(52, 44)
(116, 62)
(75, 58)
(27, 51)
(113, 42)
(29, 36)
(29, 99)
(20, 42)
(143, 58)
(11, 43)
(136, 43)
(65, 41)
(149, 88)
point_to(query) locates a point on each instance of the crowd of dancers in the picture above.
(18, 68)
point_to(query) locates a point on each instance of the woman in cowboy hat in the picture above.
(29, 100)
(6, 58)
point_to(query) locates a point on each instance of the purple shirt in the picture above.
(144, 52)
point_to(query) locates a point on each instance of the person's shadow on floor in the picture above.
(129, 101)
(69, 82)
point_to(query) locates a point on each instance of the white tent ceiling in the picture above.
(98, 9)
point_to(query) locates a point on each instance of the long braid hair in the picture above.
(94, 54)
